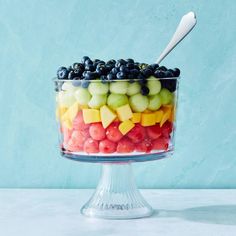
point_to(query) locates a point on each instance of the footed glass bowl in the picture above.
(116, 123)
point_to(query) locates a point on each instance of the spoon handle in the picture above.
(186, 24)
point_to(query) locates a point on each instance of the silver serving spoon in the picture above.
(186, 24)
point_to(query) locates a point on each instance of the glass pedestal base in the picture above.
(116, 196)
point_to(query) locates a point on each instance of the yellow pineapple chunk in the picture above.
(72, 111)
(107, 116)
(91, 116)
(159, 115)
(60, 111)
(148, 119)
(126, 126)
(124, 112)
(172, 116)
(136, 117)
(166, 115)
(67, 124)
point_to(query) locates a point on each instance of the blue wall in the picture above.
(36, 37)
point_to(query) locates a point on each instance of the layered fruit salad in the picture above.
(119, 106)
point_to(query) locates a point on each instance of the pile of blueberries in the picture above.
(82, 73)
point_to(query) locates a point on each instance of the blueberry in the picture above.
(176, 72)
(87, 77)
(85, 58)
(103, 78)
(111, 76)
(84, 73)
(168, 74)
(130, 60)
(120, 62)
(131, 76)
(101, 64)
(96, 60)
(136, 66)
(172, 72)
(154, 66)
(62, 73)
(142, 82)
(78, 72)
(88, 62)
(169, 84)
(135, 72)
(124, 69)
(130, 66)
(85, 83)
(146, 72)
(78, 66)
(162, 68)
(120, 75)
(114, 70)
(76, 83)
(89, 67)
(72, 75)
(101, 70)
(109, 67)
(112, 61)
(141, 77)
(144, 90)
(90, 75)
(96, 75)
(159, 74)
(151, 69)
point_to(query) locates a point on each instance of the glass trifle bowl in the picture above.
(116, 120)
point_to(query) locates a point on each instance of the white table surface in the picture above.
(177, 212)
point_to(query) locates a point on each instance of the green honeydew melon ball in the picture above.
(82, 96)
(97, 101)
(166, 96)
(154, 86)
(133, 88)
(138, 102)
(155, 102)
(116, 100)
(119, 87)
(98, 88)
